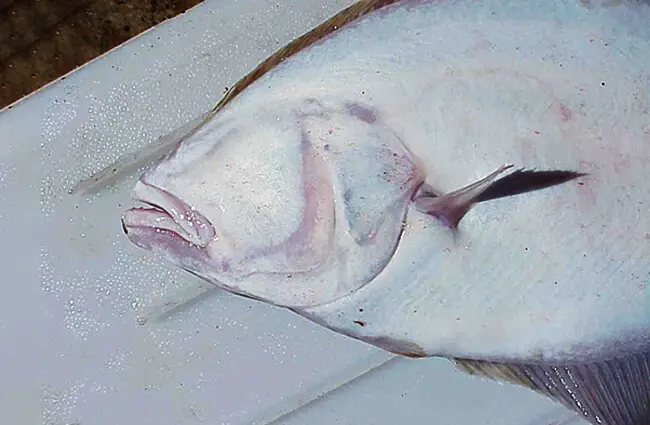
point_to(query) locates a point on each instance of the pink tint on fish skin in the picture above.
(191, 224)
(619, 161)
(565, 113)
(303, 246)
(527, 149)
(137, 226)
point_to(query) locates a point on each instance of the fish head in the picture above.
(293, 206)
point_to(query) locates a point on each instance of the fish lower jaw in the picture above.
(164, 211)
(152, 220)
(164, 238)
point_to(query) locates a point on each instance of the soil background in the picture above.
(41, 40)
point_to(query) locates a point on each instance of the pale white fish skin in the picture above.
(560, 274)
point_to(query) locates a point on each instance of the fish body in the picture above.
(351, 178)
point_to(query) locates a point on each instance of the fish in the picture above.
(455, 179)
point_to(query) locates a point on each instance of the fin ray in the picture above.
(611, 392)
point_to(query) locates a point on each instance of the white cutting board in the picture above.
(431, 392)
(72, 287)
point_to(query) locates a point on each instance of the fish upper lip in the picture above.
(166, 211)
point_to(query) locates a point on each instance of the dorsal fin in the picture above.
(611, 392)
(333, 24)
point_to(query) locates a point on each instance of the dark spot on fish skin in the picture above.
(326, 147)
(396, 346)
(364, 113)
(305, 145)
(347, 195)
(313, 108)
(360, 310)
(360, 323)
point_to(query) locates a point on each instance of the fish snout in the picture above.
(166, 213)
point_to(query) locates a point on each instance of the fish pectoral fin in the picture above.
(612, 392)
(450, 208)
(522, 181)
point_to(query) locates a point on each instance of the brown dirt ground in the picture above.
(40, 40)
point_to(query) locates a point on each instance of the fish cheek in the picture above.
(308, 244)
(380, 197)
(373, 178)
(357, 179)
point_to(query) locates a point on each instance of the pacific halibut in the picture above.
(460, 179)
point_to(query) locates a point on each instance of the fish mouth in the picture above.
(166, 213)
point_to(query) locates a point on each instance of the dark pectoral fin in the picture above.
(613, 392)
(451, 207)
(522, 181)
